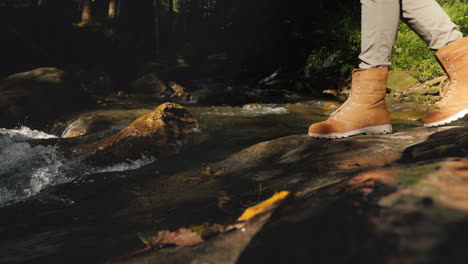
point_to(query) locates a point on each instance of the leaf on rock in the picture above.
(182, 237)
(209, 173)
(264, 206)
(207, 231)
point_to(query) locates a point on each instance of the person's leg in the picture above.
(365, 111)
(379, 25)
(430, 22)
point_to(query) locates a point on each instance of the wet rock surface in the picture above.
(396, 213)
(391, 218)
(369, 199)
(450, 143)
(163, 132)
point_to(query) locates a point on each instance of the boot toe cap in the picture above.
(321, 128)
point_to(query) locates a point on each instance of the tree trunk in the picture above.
(156, 27)
(112, 11)
(184, 17)
(86, 14)
(171, 16)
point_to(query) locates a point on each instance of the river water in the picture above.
(25, 170)
(58, 209)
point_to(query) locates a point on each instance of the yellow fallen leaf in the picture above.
(263, 206)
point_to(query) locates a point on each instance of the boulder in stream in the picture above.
(37, 97)
(149, 84)
(163, 132)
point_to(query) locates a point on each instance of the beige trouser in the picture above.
(379, 25)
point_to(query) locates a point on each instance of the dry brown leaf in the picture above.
(181, 237)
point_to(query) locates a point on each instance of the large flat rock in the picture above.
(355, 202)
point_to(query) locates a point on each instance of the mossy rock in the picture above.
(448, 143)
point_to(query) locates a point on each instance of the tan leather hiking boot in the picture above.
(365, 111)
(453, 102)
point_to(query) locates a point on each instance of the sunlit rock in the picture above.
(84, 126)
(97, 121)
(163, 132)
(251, 106)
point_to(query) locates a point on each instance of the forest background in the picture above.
(241, 41)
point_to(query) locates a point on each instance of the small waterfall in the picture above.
(26, 170)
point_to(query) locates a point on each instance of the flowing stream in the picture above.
(61, 206)
(25, 170)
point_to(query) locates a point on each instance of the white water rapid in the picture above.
(25, 170)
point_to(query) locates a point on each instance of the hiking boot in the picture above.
(453, 103)
(365, 111)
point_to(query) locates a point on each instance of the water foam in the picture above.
(26, 132)
(247, 110)
(267, 110)
(128, 165)
(25, 170)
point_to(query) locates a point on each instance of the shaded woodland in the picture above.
(174, 131)
(235, 40)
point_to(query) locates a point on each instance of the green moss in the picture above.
(438, 151)
(400, 80)
(423, 99)
(412, 176)
(443, 148)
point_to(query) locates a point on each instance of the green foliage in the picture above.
(411, 53)
(340, 47)
(458, 12)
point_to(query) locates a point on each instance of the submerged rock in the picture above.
(163, 132)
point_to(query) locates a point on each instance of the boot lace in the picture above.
(446, 90)
(344, 106)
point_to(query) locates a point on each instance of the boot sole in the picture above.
(449, 119)
(373, 130)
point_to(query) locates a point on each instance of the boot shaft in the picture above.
(454, 60)
(366, 104)
(369, 86)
